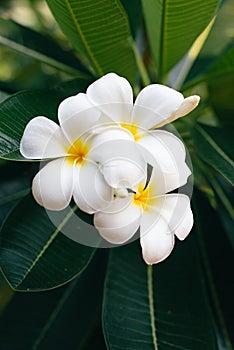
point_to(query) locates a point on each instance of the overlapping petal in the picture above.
(120, 162)
(113, 95)
(77, 116)
(119, 222)
(154, 104)
(43, 139)
(91, 192)
(156, 243)
(53, 185)
(175, 210)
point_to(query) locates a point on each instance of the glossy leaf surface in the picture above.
(160, 307)
(173, 26)
(99, 31)
(34, 254)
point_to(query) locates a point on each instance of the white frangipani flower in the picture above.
(99, 156)
(160, 216)
(86, 157)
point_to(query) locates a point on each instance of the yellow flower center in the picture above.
(134, 129)
(77, 152)
(142, 197)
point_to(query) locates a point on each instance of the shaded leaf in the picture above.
(62, 318)
(34, 254)
(15, 183)
(157, 307)
(134, 11)
(217, 256)
(38, 46)
(17, 110)
(215, 146)
(173, 26)
(99, 31)
(221, 97)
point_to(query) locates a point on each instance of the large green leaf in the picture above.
(59, 319)
(34, 254)
(172, 27)
(17, 110)
(38, 46)
(160, 307)
(215, 146)
(99, 31)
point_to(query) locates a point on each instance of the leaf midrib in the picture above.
(151, 304)
(48, 243)
(85, 43)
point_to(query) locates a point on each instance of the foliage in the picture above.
(185, 302)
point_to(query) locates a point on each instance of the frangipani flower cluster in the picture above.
(100, 155)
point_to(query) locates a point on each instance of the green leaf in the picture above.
(34, 254)
(220, 89)
(14, 185)
(173, 26)
(99, 31)
(216, 45)
(57, 319)
(40, 47)
(17, 110)
(134, 11)
(3, 95)
(215, 147)
(160, 307)
(217, 257)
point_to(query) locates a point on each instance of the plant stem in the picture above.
(142, 70)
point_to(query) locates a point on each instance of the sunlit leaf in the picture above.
(17, 110)
(98, 30)
(160, 307)
(217, 44)
(173, 26)
(34, 254)
(215, 147)
(38, 46)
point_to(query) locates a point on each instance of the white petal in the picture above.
(176, 212)
(166, 153)
(91, 192)
(42, 139)
(77, 116)
(119, 222)
(109, 133)
(156, 243)
(188, 105)
(120, 162)
(186, 224)
(113, 96)
(154, 104)
(53, 185)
